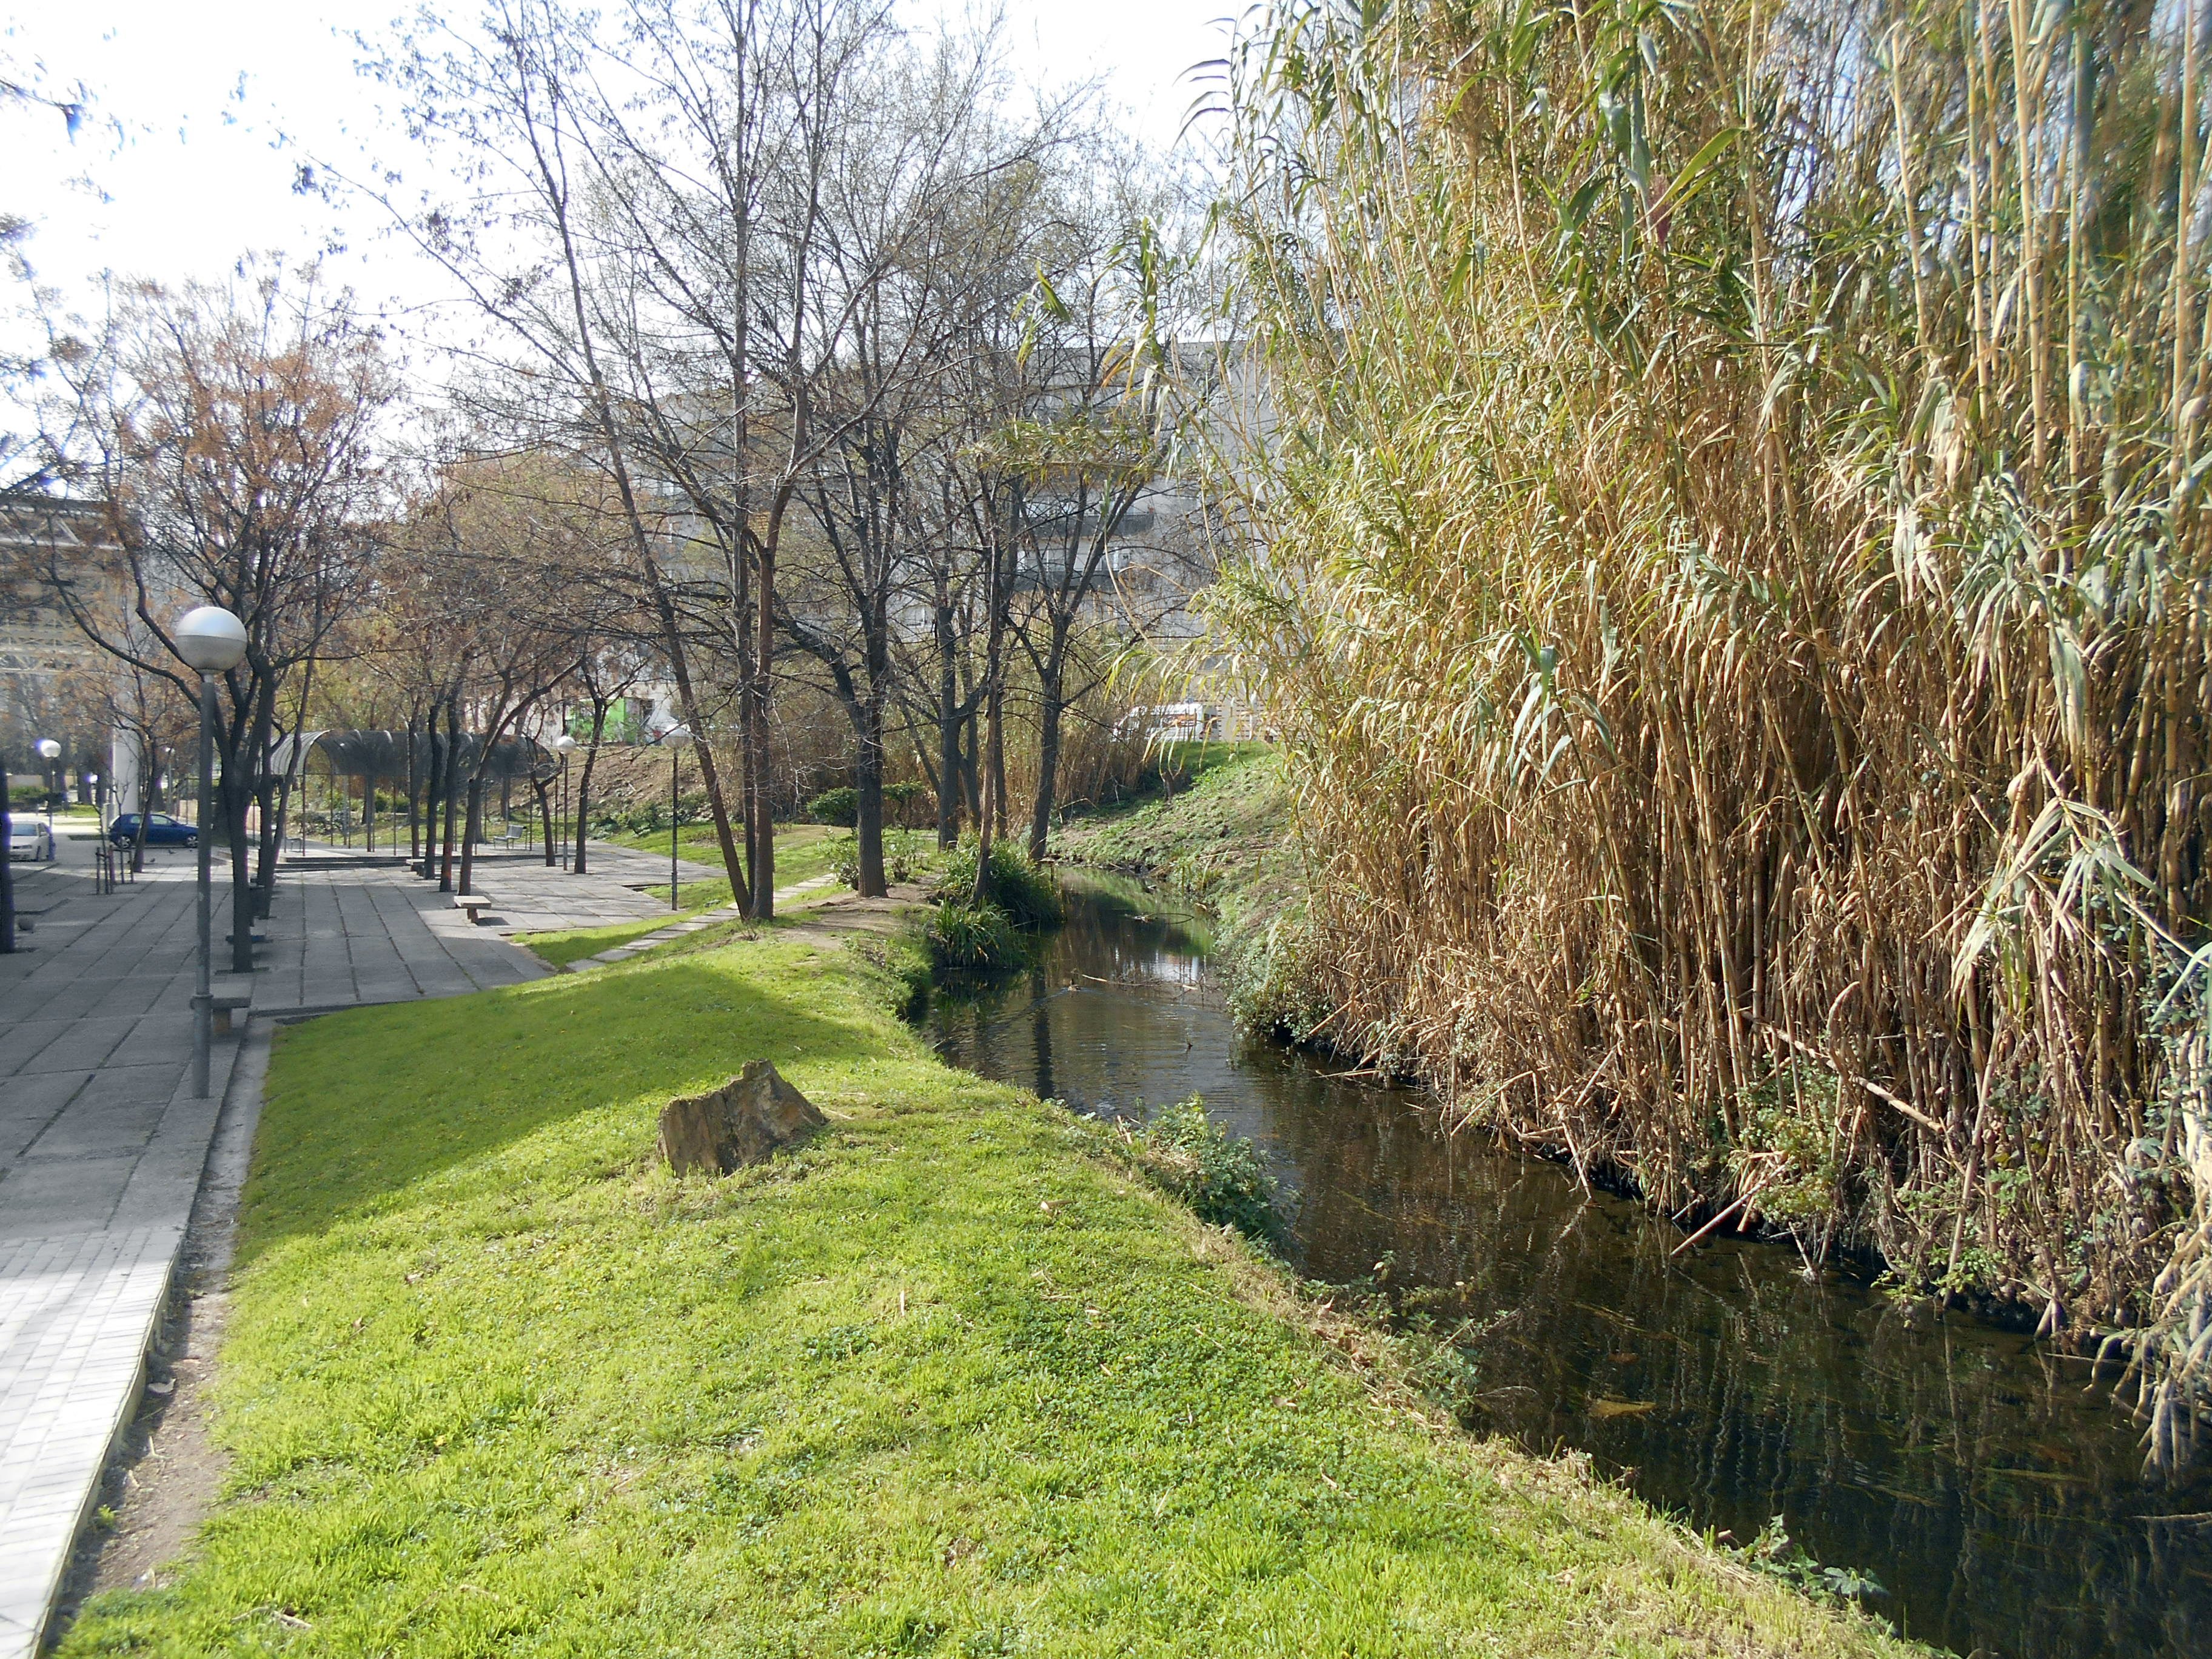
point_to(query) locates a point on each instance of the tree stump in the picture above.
(746, 1121)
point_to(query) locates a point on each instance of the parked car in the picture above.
(162, 830)
(28, 838)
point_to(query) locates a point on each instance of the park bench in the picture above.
(225, 1008)
(471, 903)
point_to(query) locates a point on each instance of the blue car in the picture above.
(162, 830)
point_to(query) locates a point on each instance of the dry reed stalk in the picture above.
(1731, 720)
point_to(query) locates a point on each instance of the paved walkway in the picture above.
(103, 1146)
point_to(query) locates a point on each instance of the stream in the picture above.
(1997, 1499)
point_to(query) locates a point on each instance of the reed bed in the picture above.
(1731, 580)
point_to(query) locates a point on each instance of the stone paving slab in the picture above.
(86, 1249)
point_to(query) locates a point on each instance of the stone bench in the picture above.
(471, 903)
(226, 1010)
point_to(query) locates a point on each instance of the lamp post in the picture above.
(49, 752)
(675, 737)
(7, 871)
(564, 745)
(212, 641)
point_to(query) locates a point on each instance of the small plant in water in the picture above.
(1775, 1554)
(1220, 1176)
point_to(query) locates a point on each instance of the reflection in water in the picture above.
(1968, 1469)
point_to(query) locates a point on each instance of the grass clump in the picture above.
(973, 938)
(947, 1379)
(1023, 892)
(993, 932)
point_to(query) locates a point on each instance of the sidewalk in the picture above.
(101, 1149)
(103, 1146)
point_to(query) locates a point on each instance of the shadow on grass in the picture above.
(367, 1106)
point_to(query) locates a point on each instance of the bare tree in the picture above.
(228, 433)
(652, 193)
(935, 220)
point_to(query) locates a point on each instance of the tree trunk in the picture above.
(989, 810)
(1051, 686)
(272, 834)
(451, 789)
(948, 720)
(868, 781)
(249, 740)
(582, 807)
(472, 827)
(750, 798)
(761, 900)
(149, 780)
(264, 883)
(431, 772)
(544, 788)
(971, 777)
(235, 797)
(414, 784)
(994, 755)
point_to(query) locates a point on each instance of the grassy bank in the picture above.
(1225, 840)
(948, 1380)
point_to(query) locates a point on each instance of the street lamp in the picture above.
(675, 737)
(212, 641)
(564, 745)
(50, 751)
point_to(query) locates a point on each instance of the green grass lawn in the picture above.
(568, 945)
(810, 859)
(947, 1381)
(697, 841)
(802, 851)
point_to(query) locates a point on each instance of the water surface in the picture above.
(1970, 1470)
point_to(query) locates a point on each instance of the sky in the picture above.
(201, 111)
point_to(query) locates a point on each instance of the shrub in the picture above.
(1017, 887)
(1275, 982)
(1220, 1176)
(840, 808)
(899, 800)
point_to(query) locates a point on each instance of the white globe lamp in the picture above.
(210, 639)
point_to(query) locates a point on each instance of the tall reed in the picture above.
(1732, 580)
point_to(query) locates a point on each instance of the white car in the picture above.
(28, 838)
